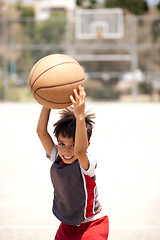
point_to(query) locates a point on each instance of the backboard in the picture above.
(99, 23)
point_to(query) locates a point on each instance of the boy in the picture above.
(75, 201)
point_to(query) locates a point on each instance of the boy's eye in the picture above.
(61, 144)
(72, 145)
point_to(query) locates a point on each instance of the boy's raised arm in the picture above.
(81, 139)
(42, 131)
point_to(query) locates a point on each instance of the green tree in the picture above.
(158, 6)
(137, 7)
(25, 11)
(50, 31)
(156, 27)
(86, 3)
(155, 30)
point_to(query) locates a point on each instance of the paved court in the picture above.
(126, 140)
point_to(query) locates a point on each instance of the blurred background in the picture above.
(116, 41)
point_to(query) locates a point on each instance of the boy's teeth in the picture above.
(67, 157)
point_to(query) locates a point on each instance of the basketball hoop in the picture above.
(99, 23)
(99, 34)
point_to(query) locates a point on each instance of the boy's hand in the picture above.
(79, 102)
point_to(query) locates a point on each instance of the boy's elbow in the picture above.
(39, 132)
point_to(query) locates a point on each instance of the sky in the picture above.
(150, 2)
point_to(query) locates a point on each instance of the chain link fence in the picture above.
(116, 69)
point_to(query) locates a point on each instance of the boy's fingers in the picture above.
(78, 97)
(82, 93)
(76, 94)
(72, 99)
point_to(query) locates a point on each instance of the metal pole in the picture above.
(134, 63)
(69, 32)
(5, 58)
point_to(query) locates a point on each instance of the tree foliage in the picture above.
(155, 30)
(86, 3)
(50, 31)
(158, 6)
(137, 7)
(25, 11)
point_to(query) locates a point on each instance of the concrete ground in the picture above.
(126, 140)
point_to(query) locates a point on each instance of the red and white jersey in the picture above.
(75, 191)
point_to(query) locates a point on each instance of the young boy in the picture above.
(75, 201)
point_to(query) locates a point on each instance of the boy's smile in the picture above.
(66, 149)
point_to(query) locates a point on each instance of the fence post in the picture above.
(134, 63)
(5, 57)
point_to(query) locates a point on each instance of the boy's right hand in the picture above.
(79, 102)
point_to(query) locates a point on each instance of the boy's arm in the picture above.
(42, 132)
(81, 139)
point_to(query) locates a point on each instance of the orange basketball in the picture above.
(53, 78)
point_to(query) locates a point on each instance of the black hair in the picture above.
(66, 125)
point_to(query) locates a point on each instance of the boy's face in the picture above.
(66, 149)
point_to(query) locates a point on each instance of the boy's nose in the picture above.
(67, 149)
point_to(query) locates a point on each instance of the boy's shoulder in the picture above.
(92, 165)
(54, 153)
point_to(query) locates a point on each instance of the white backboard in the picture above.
(99, 23)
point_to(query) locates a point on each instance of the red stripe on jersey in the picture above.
(90, 185)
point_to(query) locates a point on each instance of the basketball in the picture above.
(53, 78)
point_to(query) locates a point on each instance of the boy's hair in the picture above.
(66, 125)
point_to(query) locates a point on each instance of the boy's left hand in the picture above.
(78, 102)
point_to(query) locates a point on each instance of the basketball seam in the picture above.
(60, 85)
(35, 92)
(48, 70)
(34, 71)
(51, 101)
